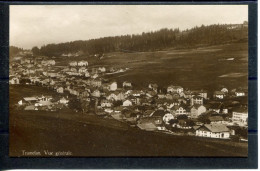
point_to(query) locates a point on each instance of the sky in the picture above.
(37, 25)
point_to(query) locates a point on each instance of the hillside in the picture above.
(152, 41)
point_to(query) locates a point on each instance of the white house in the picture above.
(219, 95)
(213, 131)
(83, 63)
(239, 93)
(73, 63)
(14, 80)
(127, 103)
(96, 93)
(60, 90)
(167, 117)
(83, 70)
(224, 90)
(196, 100)
(63, 101)
(174, 89)
(127, 84)
(102, 69)
(240, 116)
(112, 86)
(197, 110)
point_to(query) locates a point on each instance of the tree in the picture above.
(75, 104)
(35, 50)
(204, 119)
(182, 117)
(173, 121)
(189, 123)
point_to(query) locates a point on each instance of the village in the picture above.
(221, 114)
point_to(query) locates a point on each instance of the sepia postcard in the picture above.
(128, 81)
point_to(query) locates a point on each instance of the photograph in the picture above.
(128, 80)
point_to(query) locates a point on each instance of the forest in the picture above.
(151, 41)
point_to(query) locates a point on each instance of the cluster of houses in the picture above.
(151, 108)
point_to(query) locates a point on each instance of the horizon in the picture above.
(49, 20)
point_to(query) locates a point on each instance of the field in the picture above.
(90, 135)
(201, 68)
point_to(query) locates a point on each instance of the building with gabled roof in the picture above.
(213, 131)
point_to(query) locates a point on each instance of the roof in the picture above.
(196, 106)
(216, 127)
(197, 97)
(241, 110)
(219, 93)
(216, 118)
(174, 87)
(160, 113)
(30, 98)
(147, 126)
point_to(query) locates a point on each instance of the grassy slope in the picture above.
(191, 68)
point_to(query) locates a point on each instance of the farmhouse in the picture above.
(213, 131)
(219, 95)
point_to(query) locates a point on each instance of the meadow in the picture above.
(200, 68)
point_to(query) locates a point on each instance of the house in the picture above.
(127, 103)
(87, 74)
(154, 87)
(174, 89)
(96, 82)
(178, 110)
(63, 100)
(127, 84)
(83, 70)
(94, 76)
(48, 62)
(197, 110)
(73, 63)
(240, 116)
(83, 63)
(60, 90)
(196, 100)
(105, 103)
(202, 93)
(112, 86)
(219, 95)
(14, 80)
(224, 90)
(240, 93)
(119, 95)
(187, 94)
(213, 131)
(218, 107)
(151, 123)
(102, 69)
(96, 93)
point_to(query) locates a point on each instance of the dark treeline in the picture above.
(151, 41)
(14, 51)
